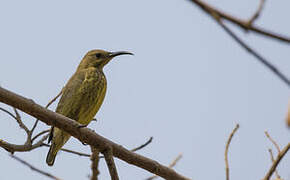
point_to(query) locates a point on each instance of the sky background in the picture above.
(187, 86)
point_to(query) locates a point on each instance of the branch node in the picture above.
(256, 14)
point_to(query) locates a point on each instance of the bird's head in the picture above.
(99, 58)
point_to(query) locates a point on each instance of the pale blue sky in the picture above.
(187, 85)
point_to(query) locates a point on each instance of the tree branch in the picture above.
(19, 121)
(95, 163)
(272, 140)
(21, 148)
(272, 159)
(276, 162)
(69, 151)
(227, 151)
(39, 134)
(143, 145)
(108, 154)
(240, 23)
(288, 116)
(261, 59)
(86, 135)
(88, 155)
(34, 168)
(48, 104)
(171, 165)
(257, 13)
(27, 146)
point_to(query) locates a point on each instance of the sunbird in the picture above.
(82, 96)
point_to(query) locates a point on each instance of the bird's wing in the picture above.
(69, 92)
(83, 93)
(82, 96)
(69, 104)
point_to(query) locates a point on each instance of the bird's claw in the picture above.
(82, 126)
(85, 144)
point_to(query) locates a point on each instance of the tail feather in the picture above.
(51, 155)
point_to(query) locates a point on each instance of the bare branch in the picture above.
(54, 99)
(240, 23)
(288, 116)
(272, 159)
(9, 113)
(69, 151)
(21, 148)
(19, 121)
(171, 165)
(39, 134)
(227, 151)
(49, 103)
(17, 118)
(272, 140)
(95, 163)
(261, 59)
(143, 145)
(276, 162)
(257, 13)
(88, 155)
(111, 163)
(27, 146)
(85, 135)
(34, 168)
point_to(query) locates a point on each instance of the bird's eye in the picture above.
(98, 55)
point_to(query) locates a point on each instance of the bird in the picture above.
(82, 96)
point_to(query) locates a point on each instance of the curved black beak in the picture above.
(118, 53)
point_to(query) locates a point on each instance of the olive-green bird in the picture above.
(82, 96)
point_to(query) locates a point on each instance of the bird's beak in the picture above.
(118, 53)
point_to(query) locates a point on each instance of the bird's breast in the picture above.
(95, 85)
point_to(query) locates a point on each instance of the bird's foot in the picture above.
(82, 126)
(85, 144)
(95, 119)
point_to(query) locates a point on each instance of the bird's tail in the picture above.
(51, 155)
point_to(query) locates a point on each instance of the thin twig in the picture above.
(111, 163)
(257, 13)
(34, 168)
(9, 113)
(95, 163)
(101, 157)
(240, 23)
(171, 165)
(69, 151)
(288, 116)
(21, 148)
(227, 151)
(272, 159)
(54, 99)
(16, 117)
(19, 121)
(39, 134)
(261, 59)
(143, 145)
(276, 162)
(48, 104)
(272, 140)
